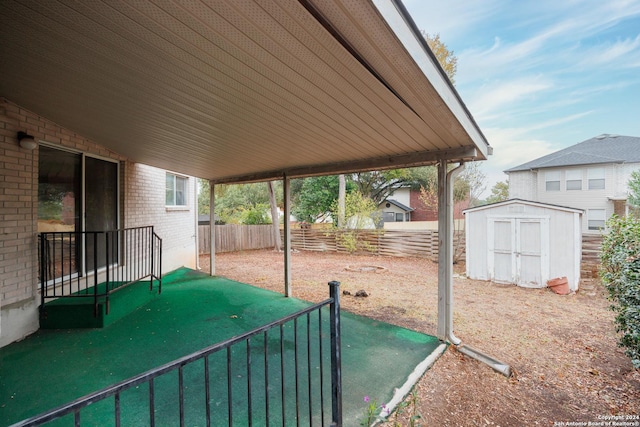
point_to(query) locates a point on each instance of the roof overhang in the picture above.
(235, 91)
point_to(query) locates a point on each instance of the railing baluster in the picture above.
(336, 354)
(152, 408)
(207, 390)
(229, 392)
(321, 361)
(295, 362)
(181, 393)
(266, 377)
(282, 377)
(117, 409)
(249, 397)
(309, 367)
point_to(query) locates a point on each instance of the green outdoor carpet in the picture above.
(53, 367)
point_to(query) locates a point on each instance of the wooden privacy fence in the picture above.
(233, 237)
(399, 243)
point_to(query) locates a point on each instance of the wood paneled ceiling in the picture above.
(234, 90)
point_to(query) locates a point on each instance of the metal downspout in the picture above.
(445, 270)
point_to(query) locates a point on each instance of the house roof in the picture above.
(399, 205)
(601, 149)
(524, 202)
(238, 91)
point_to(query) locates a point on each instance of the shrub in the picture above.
(620, 273)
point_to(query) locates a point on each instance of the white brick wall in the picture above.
(145, 205)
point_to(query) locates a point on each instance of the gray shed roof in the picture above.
(605, 148)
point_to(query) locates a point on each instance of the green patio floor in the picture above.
(53, 367)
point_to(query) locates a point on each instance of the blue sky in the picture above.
(542, 75)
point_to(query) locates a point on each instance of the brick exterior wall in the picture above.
(145, 205)
(426, 213)
(141, 200)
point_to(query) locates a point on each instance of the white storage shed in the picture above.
(523, 242)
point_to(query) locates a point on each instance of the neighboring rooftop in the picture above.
(399, 205)
(605, 148)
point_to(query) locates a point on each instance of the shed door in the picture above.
(518, 249)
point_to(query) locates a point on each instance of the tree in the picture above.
(274, 216)
(448, 61)
(361, 213)
(634, 189)
(475, 181)
(499, 192)
(315, 197)
(243, 203)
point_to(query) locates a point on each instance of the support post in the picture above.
(287, 236)
(212, 229)
(445, 252)
(336, 352)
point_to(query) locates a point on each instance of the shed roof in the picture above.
(525, 202)
(238, 91)
(601, 149)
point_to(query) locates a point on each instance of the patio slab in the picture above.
(52, 367)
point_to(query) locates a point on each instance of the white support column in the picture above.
(212, 228)
(443, 247)
(445, 252)
(287, 236)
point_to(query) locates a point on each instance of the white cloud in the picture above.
(615, 54)
(497, 98)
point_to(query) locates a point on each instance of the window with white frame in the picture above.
(574, 179)
(552, 180)
(596, 178)
(596, 219)
(176, 194)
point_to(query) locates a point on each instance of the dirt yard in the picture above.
(562, 349)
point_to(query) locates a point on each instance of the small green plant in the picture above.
(408, 408)
(371, 414)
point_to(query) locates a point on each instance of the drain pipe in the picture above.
(445, 269)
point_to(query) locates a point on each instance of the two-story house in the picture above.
(591, 175)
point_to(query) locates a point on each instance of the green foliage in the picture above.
(634, 189)
(499, 192)
(203, 196)
(620, 273)
(239, 203)
(315, 197)
(256, 215)
(361, 213)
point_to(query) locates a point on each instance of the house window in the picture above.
(574, 179)
(399, 217)
(176, 194)
(596, 219)
(596, 179)
(552, 179)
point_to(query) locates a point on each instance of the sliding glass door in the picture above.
(76, 193)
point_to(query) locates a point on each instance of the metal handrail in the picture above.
(77, 405)
(75, 264)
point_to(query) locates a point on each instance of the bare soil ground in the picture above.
(562, 349)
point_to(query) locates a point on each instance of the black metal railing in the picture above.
(268, 376)
(80, 264)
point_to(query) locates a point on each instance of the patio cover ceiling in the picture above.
(238, 90)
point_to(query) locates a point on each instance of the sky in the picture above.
(541, 75)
